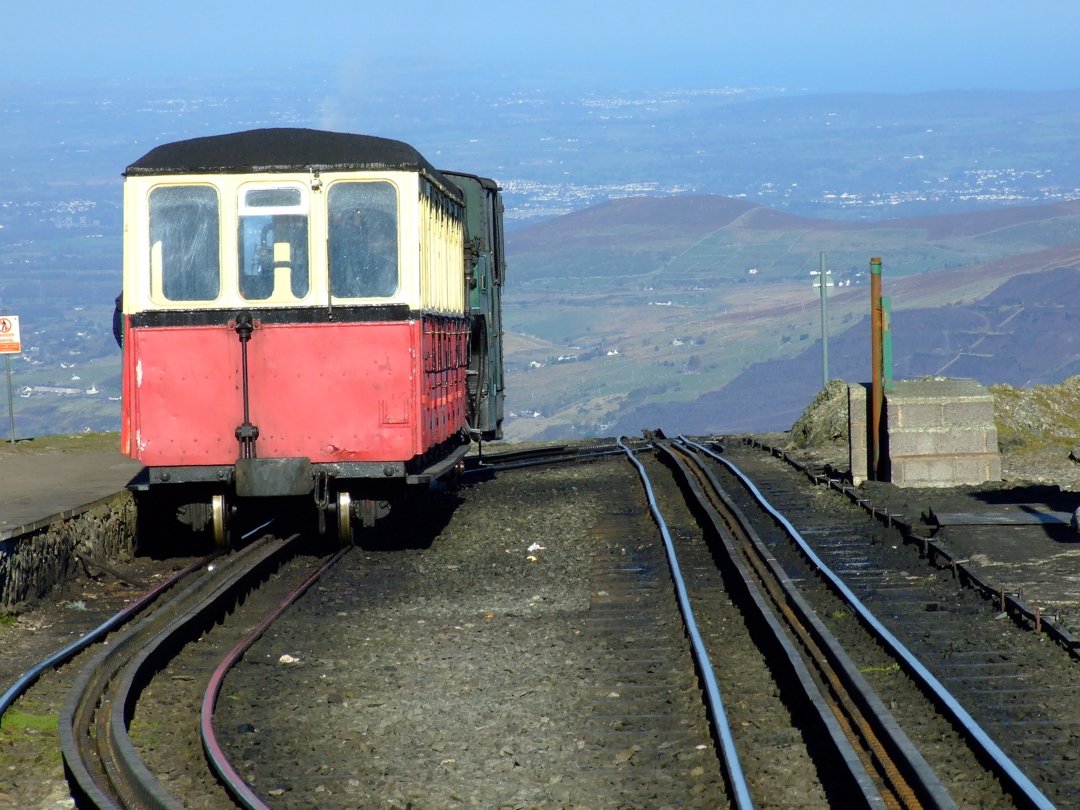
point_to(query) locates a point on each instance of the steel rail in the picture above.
(240, 790)
(1011, 603)
(536, 458)
(1006, 767)
(98, 754)
(62, 656)
(65, 654)
(863, 718)
(729, 753)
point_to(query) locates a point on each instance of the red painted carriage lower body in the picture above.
(331, 392)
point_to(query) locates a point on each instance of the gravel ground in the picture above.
(461, 682)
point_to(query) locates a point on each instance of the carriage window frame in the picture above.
(257, 280)
(339, 280)
(165, 284)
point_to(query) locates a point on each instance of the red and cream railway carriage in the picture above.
(306, 314)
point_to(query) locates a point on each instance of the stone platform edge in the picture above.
(37, 556)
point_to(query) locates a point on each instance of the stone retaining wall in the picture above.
(33, 562)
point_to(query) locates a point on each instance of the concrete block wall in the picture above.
(941, 433)
(937, 433)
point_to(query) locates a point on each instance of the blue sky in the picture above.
(826, 46)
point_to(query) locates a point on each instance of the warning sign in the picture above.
(9, 335)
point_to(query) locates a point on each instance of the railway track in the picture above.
(1000, 672)
(208, 607)
(98, 751)
(854, 760)
(489, 463)
(629, 686)
(888, 766)
(501, 658)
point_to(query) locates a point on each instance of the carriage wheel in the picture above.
(344, 519)
(219, 517)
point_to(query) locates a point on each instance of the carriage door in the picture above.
(272, 243)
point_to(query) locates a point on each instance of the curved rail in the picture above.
(62, 656)
(559, 454)
(240, 790)
(98, 754)
(732, 766)
(1006, 767)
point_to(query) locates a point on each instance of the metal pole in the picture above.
(10, 400)
(824, 323)
(876, 396)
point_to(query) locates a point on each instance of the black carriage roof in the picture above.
(485, 182)
(285, 150)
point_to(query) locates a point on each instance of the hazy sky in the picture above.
(828, 45)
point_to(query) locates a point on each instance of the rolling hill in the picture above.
(1025, 333)
(679, 311)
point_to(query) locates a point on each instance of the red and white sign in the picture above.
(9, 335)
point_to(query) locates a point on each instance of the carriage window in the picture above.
(363, 240)
(273, 243)
(184, 240)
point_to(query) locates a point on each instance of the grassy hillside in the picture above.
(649, 304)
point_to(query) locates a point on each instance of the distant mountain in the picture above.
(991, 222)
(633, 220)
(701, 241)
